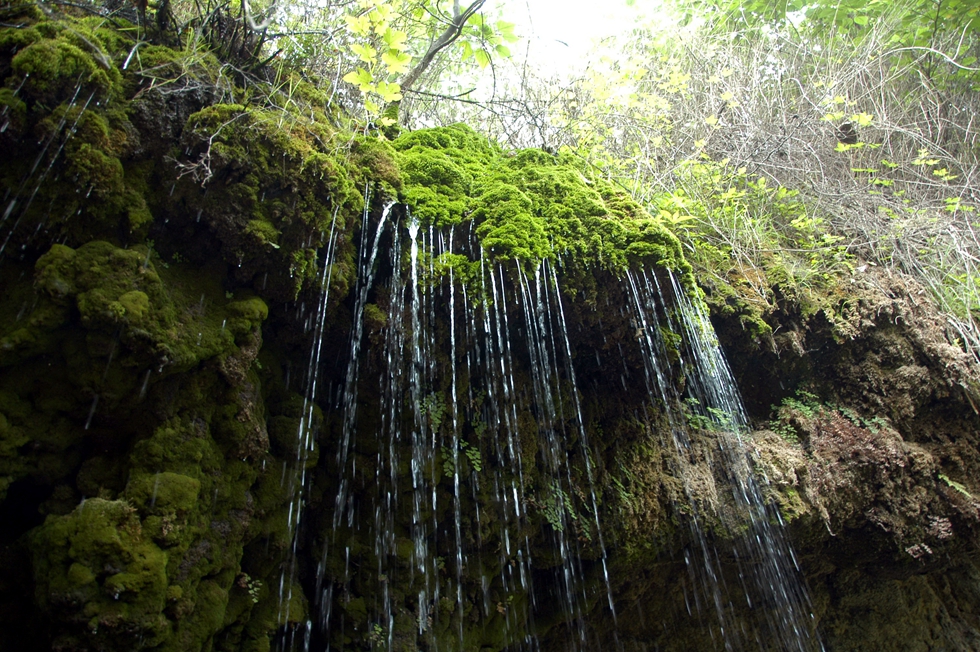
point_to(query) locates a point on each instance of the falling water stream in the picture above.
(767, 567)
(464, 362)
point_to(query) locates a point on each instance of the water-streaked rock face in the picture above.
(264, 384)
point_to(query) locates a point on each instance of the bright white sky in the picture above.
(562, 32)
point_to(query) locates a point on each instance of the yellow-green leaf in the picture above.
(389, 92)
(482, 58)
(365, 53)
(395, 39)
(363, 78)
(862, 119)
(396, 61)
(360, 25)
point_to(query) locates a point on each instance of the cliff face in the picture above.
(876, 468)
(264, 383)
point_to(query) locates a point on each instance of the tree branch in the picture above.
(448, 37)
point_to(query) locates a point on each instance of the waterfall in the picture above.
(467, 500)
(306, 434)
(767, 567)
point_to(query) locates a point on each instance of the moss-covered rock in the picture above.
(273, 194)
(529, 206)
(55, 70)
(100, 578)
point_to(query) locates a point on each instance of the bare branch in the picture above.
(447, 38)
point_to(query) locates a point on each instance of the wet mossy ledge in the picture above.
(529, 205)
(260, 175)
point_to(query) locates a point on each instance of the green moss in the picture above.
(264, 232)
(163, 492)
(439, 189)
(197, 627)
(94, 568)
(119, 291)
(254, 309)
(791, 504)
(14, 40)
(438, 167)
(55, 71)
(68, 96)
(96, 170)
(55, 272)
(169, 360)
(135, 304)
(276, 188)
(379, 161)
(530, 205)
(116, 43)
(105, 281)
(738, 298)
(374, 317)
(13, 114)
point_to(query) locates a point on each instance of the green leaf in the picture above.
(389, 92)
(503, 51)
(862, 119)
(506, 31)
(365, 53)
(397, 62)
(395, 39)
(362, 78)
(360, 25)
(482, 58)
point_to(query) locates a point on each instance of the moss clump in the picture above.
(135, 304)
(119, 292)
(535, 205)
(273, 187)
(264, 232)
(67, 181)
(374, 317)
(164, 492)
(438, 169)
(112, 289)
(97, 573)
(253, 309)
(378, 159)
(54, 71)
(529, 206)
(13, 115)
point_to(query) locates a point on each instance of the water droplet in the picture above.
(156, 486)
(91, 412)
(146, 381)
